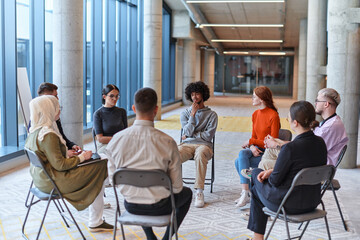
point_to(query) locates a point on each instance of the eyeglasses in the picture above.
(113, 96)
(316, 101)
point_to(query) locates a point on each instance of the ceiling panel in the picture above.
(288, 13)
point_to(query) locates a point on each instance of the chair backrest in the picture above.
(36, 161)
(142, 178)
(285, 135)
(341, 155)
(311, 176)
(94, 139)
(33, 158)
(314, 175)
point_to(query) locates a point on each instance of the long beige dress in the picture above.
(79, 185)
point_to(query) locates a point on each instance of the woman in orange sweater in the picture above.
(265, 121)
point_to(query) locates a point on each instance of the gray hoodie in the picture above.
(201, 128)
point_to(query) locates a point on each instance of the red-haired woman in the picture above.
(265, 121)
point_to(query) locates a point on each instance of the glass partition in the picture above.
(241, 74)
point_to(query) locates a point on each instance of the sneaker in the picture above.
(102, 227)
(245, 216)
(244, 199)
(199, 200)
(107, 205)
(246, 173)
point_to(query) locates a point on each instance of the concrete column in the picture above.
(68, 64)
(189, 65)
(343, 70)
(302, 60)
(209, 70)
(316, 47)
(153, 48)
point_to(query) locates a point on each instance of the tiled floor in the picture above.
(218, 220)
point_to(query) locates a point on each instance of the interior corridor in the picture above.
(219, 219)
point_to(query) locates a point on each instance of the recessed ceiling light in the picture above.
(239, 25)
(247, 41)
(235, 1)
(236, 52)
(272, 53)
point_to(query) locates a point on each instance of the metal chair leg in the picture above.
(271, 227)
(43, 219)
(26, 217)
(73, 219)
(338, 206)
(122, 232)
(303, 231)
(287, 225)
(61, 212)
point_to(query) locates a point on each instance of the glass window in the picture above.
(88, 82)
(104, 55)
(241, 74)
(1, 76)
(168, 63)
(48, 41)
(23, 53)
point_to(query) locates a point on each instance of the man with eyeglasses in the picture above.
(51, 89)
(331, 129)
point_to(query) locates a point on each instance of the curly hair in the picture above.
(198, 87)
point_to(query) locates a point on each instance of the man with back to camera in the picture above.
(199, 126)
(144, 147)
(331, 129)
(51, 89)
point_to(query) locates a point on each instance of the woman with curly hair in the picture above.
(265, 121)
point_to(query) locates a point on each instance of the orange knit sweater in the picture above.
(265, 121)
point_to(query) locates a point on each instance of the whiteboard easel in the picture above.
(24, 93)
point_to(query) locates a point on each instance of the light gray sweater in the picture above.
(201, 128)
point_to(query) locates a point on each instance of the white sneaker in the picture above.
(237, 200)
(244, 199)
(199, 200)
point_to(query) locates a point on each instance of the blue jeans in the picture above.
(246, 160)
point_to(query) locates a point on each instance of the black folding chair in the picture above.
(334, 185)
(144, 179)
(54, 195)
(307, 176)
(208, 181)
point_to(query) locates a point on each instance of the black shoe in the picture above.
(102, 227)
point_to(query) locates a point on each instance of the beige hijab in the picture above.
(43, 111)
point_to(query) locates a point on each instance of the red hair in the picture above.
(265, 94)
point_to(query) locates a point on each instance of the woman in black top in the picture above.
(109, 119)
(269, 187)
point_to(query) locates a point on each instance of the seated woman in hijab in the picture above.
(82, 186)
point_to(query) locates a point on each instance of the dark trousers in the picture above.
(258, 219)
(163, 207)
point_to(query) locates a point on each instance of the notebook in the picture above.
(95, 157)
(91, 160)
